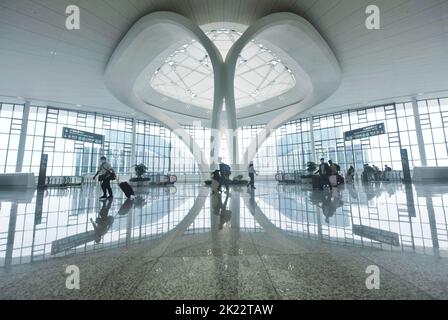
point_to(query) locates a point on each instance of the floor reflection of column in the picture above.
(319, 224)
(38, 211)
(215, 210)
(235, 223)
(11, 234)
(183, 225)
(129, 223)
(216, 248)
(232, 265)
(432, 224)
(278, 236)
(411, 210)
(225, 262)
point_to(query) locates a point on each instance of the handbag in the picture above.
(110, 174)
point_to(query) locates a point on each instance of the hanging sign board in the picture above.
(78, 135)
(365, 132)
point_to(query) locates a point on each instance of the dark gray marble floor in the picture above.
(276, 242)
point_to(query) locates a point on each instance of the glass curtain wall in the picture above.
(289, 148)
(434, 123)
(75, 158)
(10, 128)
(155, 146)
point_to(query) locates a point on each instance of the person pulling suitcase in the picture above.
(105, 175)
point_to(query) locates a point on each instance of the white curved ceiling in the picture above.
(42, 61)
(187, 73)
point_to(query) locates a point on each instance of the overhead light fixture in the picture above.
(255, 93)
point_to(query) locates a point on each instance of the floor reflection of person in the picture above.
(252, 202)
(328, 201)
(219, 208)
(103, 222)
(216, 203)
(350, 174)
(352, 191)
(216, 181)
(225, 215)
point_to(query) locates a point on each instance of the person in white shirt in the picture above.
(252, 173)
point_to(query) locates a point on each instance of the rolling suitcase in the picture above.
(127, 189)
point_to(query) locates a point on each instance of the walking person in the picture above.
(105, 174)
(350, 174)
(252, 173)
(225, 172)
(324, 172)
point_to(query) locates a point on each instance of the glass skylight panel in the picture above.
(187, 74)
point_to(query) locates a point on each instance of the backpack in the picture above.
(225, 169)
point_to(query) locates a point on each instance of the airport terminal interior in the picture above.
(255, 149)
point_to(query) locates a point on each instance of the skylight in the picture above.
(187, 74)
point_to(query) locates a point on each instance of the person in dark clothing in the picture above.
(368, 174)
(350, 174)
(224, 170)
(252, 173)
(106, 174)
(324, 171)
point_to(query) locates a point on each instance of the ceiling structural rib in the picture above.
(139, 54)
(314, 65)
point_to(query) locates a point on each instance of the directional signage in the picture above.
(78, 135)
(377, 234)
(366, 132)
(70, 242)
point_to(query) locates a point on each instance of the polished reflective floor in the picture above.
(275, 242)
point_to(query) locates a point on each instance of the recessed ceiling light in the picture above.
(20, 98)
(79, 105)
(421, 93)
